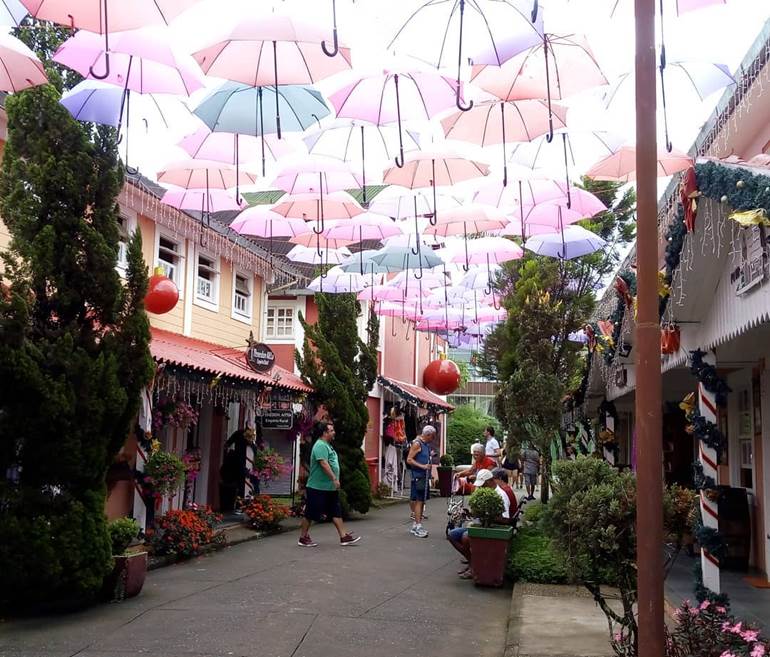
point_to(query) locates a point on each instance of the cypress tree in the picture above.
(73, 350)
(342, 368)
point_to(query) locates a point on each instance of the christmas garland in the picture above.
(699, 479)
(707, 432)
(708, 376)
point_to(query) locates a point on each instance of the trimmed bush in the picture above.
(534, 512)
(486, 505)
(122, 532)
(535, 559)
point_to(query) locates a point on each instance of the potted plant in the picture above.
(445, 468)
(489, 542)
(129, 569)
(164, 472)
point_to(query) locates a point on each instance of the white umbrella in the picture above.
(572, 242)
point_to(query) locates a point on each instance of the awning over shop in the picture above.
(217, 360)
(415, 394)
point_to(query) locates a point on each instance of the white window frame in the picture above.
(129, 225)
(282, 305)
(179, 269)
(245, 317)
(211, 302)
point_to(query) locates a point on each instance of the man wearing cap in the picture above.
(459, 537)
(418, 460)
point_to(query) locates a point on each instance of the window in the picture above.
(169, 259)
(751, 271)
(280, 322)
(242, 297)
(207, 279)
(123, 237)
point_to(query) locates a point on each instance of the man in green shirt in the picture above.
(322, 497)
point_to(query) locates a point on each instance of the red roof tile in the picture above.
(422, 394)
(175, 349)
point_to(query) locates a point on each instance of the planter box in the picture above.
(445, 480)
(127, 577)
(489, 554)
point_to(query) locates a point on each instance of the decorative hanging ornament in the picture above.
(740, 184)
(723, 200)
(688, 193)
(441, 376)
(162, 293)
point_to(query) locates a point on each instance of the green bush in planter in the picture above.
(486, 505)
(446, 461)
(122, 532)
(535, 559)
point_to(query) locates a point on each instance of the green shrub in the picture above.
(165, 472)
(486, 505)
(534, 558)
(466, 426)
(533, 512)
(446, 461)
(122, 532)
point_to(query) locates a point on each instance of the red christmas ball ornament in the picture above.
(162, 293)
(441, 376)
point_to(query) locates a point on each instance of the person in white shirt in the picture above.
(491, 445)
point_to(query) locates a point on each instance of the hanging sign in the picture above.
(277, 419)
(259, 356)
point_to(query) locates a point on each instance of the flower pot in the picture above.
(127, 577)
(445, 480)
(489, 553)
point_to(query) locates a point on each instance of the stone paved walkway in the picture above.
(393, 595)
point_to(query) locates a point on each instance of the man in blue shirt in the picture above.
(418, 460)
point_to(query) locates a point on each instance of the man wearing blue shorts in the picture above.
(418, 460)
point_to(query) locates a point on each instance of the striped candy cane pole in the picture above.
(709, 510)
(609, 453)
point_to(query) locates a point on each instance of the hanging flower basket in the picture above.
(164, 473)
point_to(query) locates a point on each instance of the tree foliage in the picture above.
(73, 349)
(547, 300)
(342, 368)
(466, 426)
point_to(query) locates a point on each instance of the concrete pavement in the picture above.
(392, 595)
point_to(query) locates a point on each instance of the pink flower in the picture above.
(749, 636)
(617, 636)
(727, 653)
(721, 610)
(704, 605)
(758, 650)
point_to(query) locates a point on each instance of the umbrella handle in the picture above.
(101, 76)
(495, 304)
(277, 99)
(416, 231)
(458, 101)
(433, 219)
(466, 266)
(502, 117)
(534, 11)
(415, 273)
(669, 145)
(399, 163)
(406, 335)
(333, 52)
(549, 136)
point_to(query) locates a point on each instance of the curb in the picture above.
(513, 635)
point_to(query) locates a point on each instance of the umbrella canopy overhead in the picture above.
(621, 165)
(572, 242)
(213, 200)
(203, 174)
(21, 68)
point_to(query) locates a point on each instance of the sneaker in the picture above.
(306, 541)
(419, 532)
(468, 574)
(349, 539)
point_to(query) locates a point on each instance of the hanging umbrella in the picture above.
(317, 207)
(336, 281)
(140, 60)
(494, 31)
(367, 226)
(216, 200)
(21, 68)
(362, 263)
(524, 120)
(312, 174)
(621, 165)
(571, 242)
(107, 16)
(233, 148)
(359, 142)
(532, 192)
(12, 12)
(479, 278)
(270, 50)
(398, 203)
(489, 251)
(397, 94)
(320, 241)
(310, 256)
(556, 68)
(390, 293)
(261, 221)
(238, 108)
(402, 258)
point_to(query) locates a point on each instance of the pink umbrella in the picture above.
(261, 221)
(140, 60)
(317, 207)
(203, 174)
(106, 16)
(252, 48)
(310, 256)
(391, 293)
(20, 68)
(525, 120)
(320, 241)
(396, 95)
(367, 226)
(621, 165)
(557, 68)
(313, 174)
(532, 192)
(217, 200)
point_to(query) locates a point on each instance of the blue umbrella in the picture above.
(236, 107)
(402, 257)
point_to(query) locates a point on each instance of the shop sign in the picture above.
(277, 419)
(259, 356)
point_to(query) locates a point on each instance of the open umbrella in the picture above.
(313, 174)
(21, 68)
(310, 256)
(532, 192)
(12, 12)
(359, 142)
(367, 226)
(621, 165)
(400, 258)
(400, 93)
(261, 221)
(216, 200)
(107, 16)
(571, 242)
(238, 108)
(336, 281)
(524, 121)
(260, 49)
(556, 68)
(318, 207)
(494, 31)
(398, 203)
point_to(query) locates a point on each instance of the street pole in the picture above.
(649, 479)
